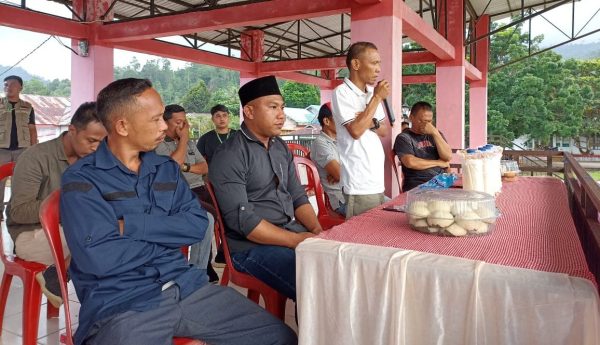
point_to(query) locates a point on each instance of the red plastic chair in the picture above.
(274, 301)
(299, 150)
(49, 217)
(395, 165)
(32, 292)
(327, 217)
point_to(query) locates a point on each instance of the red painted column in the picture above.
(450, 80)
(89, 74)
(381, 24)
(252, 43)
(327, 93)
(478, 92)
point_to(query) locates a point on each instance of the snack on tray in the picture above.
(451, 212)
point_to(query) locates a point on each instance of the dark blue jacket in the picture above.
(113, 273)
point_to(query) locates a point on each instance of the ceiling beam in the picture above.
(179, 52)
(472, 73)
(22, 19)
(244, 15)
(412, 58)
(424, 34)
(306, 79)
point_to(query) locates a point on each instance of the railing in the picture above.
(584, 201)
(532, 162)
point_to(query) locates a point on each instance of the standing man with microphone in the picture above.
(359, 119)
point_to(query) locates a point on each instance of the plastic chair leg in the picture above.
(51, 311)
(4, 289)
(275, 304)
(254, 296)
(225, 277)
(32, 300)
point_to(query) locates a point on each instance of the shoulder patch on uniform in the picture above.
(119, 195)
(164, 186)
(77, 187)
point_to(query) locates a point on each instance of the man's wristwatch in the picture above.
(376, 124)
(185, 167)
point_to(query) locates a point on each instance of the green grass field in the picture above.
(595, 175)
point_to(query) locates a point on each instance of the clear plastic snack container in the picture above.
(451, 212)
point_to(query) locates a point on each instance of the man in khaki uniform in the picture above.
(17, 126)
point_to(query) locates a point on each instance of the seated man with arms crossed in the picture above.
(422, 149)
(327, 159)
(126, 212)
(265, 209)
(177, 145)
(36, 175)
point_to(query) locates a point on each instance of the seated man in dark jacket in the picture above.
(126, 212)
(265, 209)
(422, 149)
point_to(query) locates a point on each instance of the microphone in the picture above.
(389, 111)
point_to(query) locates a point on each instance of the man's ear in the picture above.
(355, 64)
(248, 111)
(122, 127)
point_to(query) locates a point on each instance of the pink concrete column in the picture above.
(450, 80)
(89, 74)
(326, 95)
(381, 24)
(252, 43)
(478, 100)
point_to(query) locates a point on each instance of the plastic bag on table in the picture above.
(445, 180)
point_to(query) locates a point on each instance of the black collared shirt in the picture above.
(253, 183)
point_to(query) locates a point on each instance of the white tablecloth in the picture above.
(361, 294)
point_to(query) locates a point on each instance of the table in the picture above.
(373, 280)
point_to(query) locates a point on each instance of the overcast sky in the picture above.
(18, 43)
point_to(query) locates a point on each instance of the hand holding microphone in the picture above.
(383, 90)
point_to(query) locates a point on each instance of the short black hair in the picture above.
(84, 115)
(405, 123)
(324, 112)
(170, 109)
(421, 105)
(14, 77)
(118, 97)
(218, 107)
(356, 49)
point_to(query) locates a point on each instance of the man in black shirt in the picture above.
(264, 207)
(422, 149)
(17, 123)
(208, 143)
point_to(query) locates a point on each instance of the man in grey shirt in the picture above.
(264, 207)
(327, 159)
(180, 148)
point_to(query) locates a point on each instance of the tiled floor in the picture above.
(49, 330)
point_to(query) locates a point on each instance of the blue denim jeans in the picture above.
(273, 265)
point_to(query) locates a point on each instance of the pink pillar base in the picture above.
(90, 74)
(477, 115)
(450, 104)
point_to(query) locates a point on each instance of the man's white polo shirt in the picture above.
(362, 160)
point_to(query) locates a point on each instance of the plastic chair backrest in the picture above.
(396, 166)
(49, 218)
(221, 226)
(314, 182)
(297, 148)
(6, 170)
